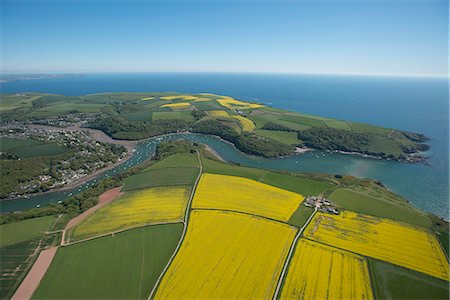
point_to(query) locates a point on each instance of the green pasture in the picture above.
(161, 177)
(378, 205)
(169, 115)
(300, 216)
(183, 160)
(123, 266)
(143, 115)
(285, 137)
(24, 230)
(394, 282)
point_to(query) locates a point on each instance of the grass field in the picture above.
(296, 184)
(24, 230)
(245, 195)
(377, 205)
(337, 124)
(168, 115)
(300, 216)
(312, 122)
(285, 137)
(183, 160)
(292, 125)
(123, 266)
(394, 282)
(383, 239)
(29, 148)
(321, 272)
(143, 115)
(146, 206)
(227, 255)
(161, 177)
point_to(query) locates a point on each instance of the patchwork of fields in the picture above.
(245, 195)
(321, 272)
(382, 239)
(227, 255)
(239, 235)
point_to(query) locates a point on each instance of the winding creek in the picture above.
(389, 172)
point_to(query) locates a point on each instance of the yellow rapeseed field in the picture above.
(218, 113)
(183, 97)
(146, 206)
(246, 124)
(320, 272)
(245, 195)
(148, 98)
(227, 255)
(383, 239)
(177, 105)
(231, 103)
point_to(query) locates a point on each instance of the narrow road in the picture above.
(390, 133)
(291, 251)
(185, 226)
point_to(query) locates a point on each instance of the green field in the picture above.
(123, 266)
(380, 206)
(161, 177)
(15, 262)
(184, 160)
(168, 115)
(285, 137)
(301, 185)
(215, 167)
(300, 216)
(143, 115)
(29, 148)
(9, 102)
(393, 282)
(297, 184)
(24, 230)
(312, 122)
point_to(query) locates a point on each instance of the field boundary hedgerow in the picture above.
(185, 225)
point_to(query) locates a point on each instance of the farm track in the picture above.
(185, 225)
(35, 275)
(41, 265)
(289, 258)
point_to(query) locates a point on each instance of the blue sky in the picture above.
(362, 36)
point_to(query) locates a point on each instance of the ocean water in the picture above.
(415, 104)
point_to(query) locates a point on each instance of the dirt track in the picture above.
(35, 275)
(104, 199)
(37, 272)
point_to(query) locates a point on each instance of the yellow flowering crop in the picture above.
(245, 195)
(317, 271)
(146, 206)
(227, 255)
(246, 124)
(383, 239)
(183, 97)
(231, 103)
(148, 98)
(177, 105)
(218, 113)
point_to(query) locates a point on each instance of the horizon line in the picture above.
(365, 74)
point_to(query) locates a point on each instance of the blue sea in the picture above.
(414, 104)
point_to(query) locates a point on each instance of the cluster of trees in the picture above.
(275, 126)
(119, 128)
(334, 139)
(246, 142)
